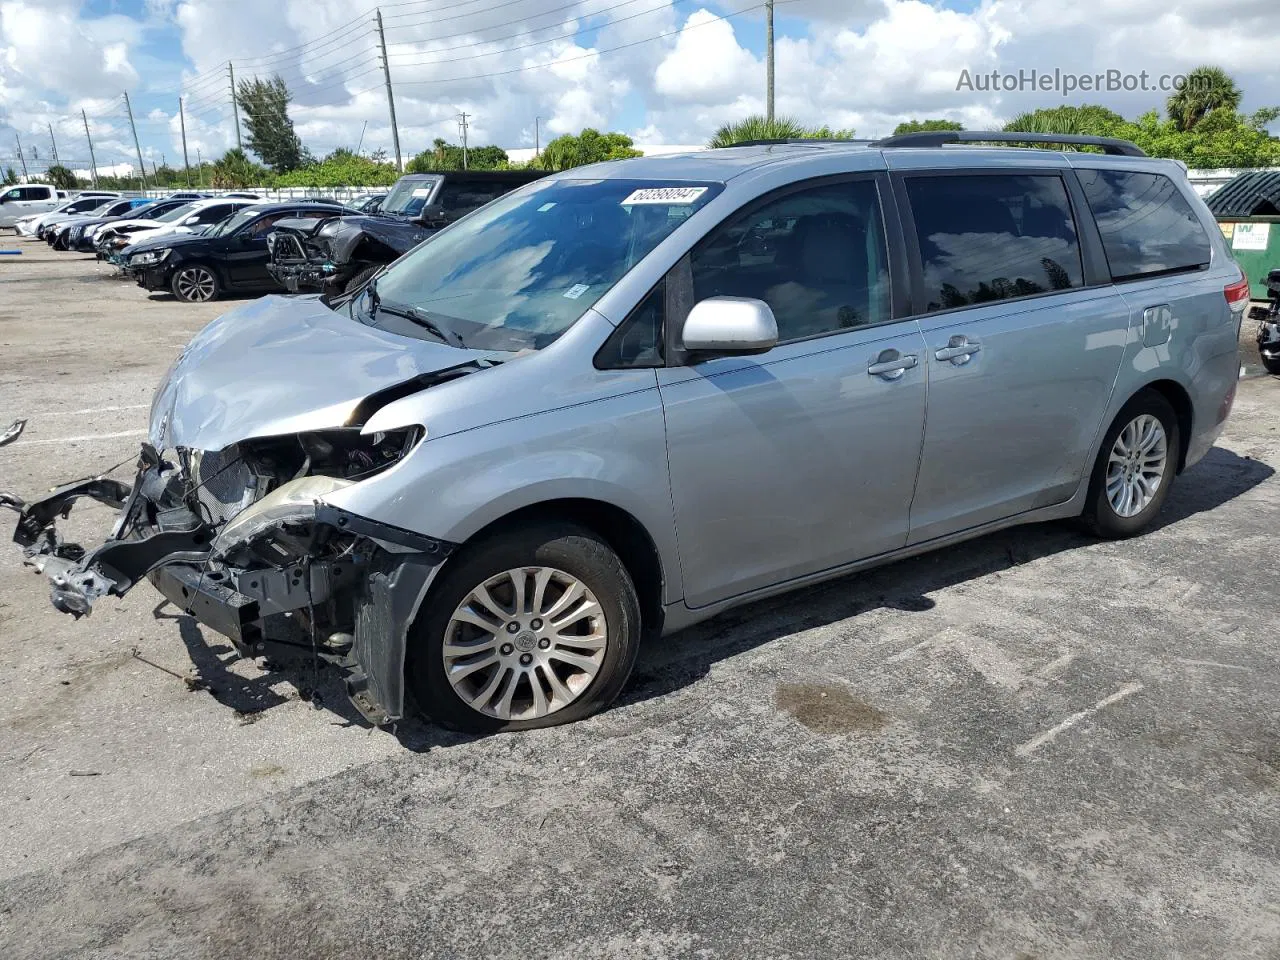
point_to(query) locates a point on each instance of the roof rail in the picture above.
(938, 138)
(773, 142)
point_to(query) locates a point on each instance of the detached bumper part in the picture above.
(282, 577)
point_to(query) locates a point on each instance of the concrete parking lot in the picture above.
(1034, 745)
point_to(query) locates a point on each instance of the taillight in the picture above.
(1237, 293)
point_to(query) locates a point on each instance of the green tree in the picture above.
(589, 146)
(921, 126)
(10, 176)
(62, 177)
(1206, 89)
(234, 169)
(448, 156)
(1088, 119)
(756, 127)
(265, 105)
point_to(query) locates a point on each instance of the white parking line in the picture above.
(1039, 740)
(82, 439)
(74, 413)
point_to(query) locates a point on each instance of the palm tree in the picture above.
(1206, 89)
(1088, 118)
(757, 127)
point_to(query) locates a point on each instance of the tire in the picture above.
(574, 554)
(195, 283)
(361, 278)
(1107, 513)
(1271, 365)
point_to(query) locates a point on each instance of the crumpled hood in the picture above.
(283, 365)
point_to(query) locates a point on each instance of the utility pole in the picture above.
(768, 96)
(182, 121)
(142, 170)
(361, 142)
(391, 100)
(54, 142)
(537, 121)
(21, 156)
(235, 108)
(200, 165)
(462, 126)
(93, 164)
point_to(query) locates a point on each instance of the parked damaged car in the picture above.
(598, 409)
(337, 255)
(229, 256)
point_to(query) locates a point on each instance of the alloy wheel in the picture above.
(525, 643)
(1137, 464)
(195, 284)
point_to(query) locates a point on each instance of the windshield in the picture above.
(102, 208)
(519, 272)
(408, 197)
(177, 213)
(234, 222)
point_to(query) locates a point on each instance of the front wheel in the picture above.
(1272, 365)
(1134, 469)
(531, 628)
(194, 284)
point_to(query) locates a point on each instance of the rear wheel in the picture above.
(535, 627)
(1272, 364)
(195, 283)
(1134, 469)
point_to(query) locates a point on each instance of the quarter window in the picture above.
(987, 238)
(1147, 225)
(816, 256)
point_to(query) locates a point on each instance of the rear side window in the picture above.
(993, 237)
(1147, 225)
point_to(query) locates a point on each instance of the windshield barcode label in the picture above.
(664, 195)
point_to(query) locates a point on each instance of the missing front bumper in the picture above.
(348, 577)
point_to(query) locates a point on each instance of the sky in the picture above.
(662, 71)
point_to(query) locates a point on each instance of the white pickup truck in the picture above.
(26, 199)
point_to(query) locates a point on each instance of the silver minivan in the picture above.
(629, 396)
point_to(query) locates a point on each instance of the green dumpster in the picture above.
(1248, 211)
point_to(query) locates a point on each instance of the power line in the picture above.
(550, 26)
(531, 43)
(585, 56)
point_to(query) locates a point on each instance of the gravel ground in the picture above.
(1030, 746)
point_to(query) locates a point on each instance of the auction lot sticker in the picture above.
(664, 195)
(1251, 236)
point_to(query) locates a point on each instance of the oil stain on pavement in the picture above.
(828, 708)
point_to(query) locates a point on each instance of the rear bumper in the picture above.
(349, 592)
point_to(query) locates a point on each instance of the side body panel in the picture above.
(1013, 427)
(794, 461)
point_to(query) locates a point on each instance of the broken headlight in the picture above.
(294, 504)
(148, 257)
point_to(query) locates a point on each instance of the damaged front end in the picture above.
(243, 540)
(327, 255)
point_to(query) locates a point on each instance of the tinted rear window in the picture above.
(1147, 225)
(986, 238)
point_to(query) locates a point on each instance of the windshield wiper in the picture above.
(421, 318)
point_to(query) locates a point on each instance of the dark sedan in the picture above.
(232, 256)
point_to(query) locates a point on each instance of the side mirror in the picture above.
(730, 325)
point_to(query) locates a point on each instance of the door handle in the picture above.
(891, 365)
(959, 350)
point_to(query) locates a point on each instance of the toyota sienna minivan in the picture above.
(628, 396)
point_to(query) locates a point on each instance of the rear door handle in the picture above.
(959, 350)
(891, 365)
